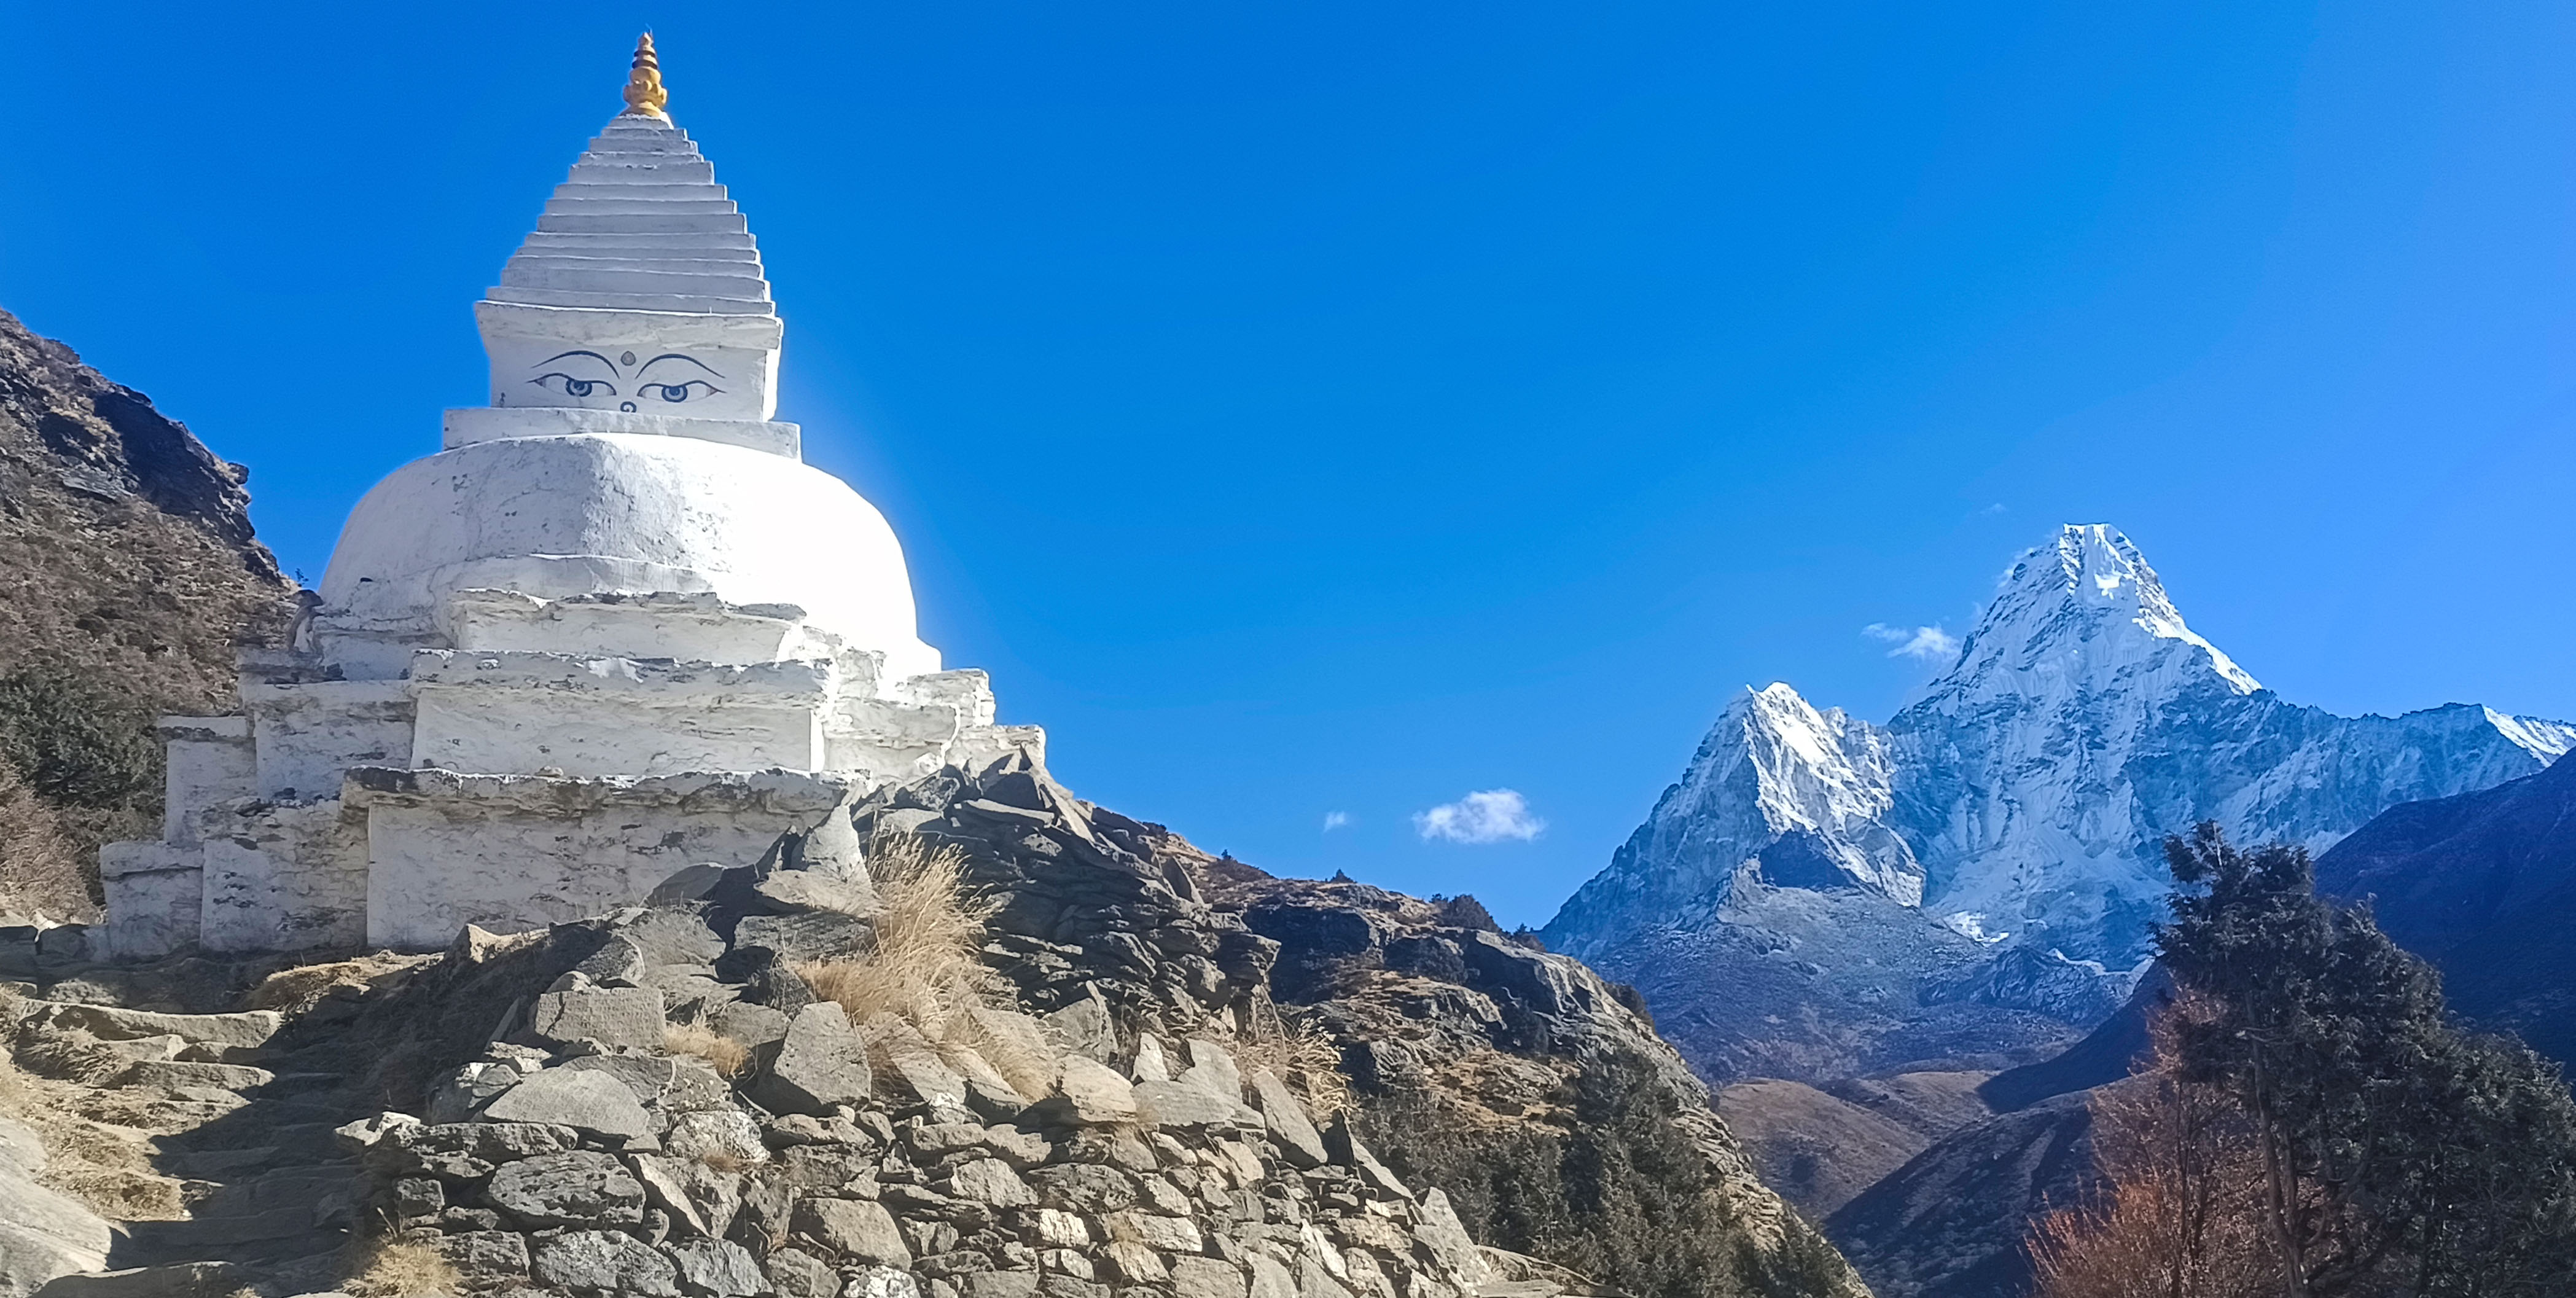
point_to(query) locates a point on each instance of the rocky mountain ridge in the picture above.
(1820, 897)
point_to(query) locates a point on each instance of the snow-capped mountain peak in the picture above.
(2083, 615)
(2021, 801)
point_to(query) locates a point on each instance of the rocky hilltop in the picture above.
(129, 570)
(1181, 1076)
(1822, 897)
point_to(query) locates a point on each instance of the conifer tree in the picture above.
(2397, 1153)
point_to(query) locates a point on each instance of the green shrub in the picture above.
(1622, 1193)
(1464, 911)
(78, 744)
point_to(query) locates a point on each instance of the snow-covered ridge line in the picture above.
(2022, 797)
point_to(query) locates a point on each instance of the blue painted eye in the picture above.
(573, 387)
(676, 392)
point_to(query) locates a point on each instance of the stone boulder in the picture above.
(621, 1018)
(716, 1268)
(575, 1189)
(583, 1100)
(1289, 1125)
(248, 1030)
(854, 1230)
(819, 1063)
(1092, 1094)
(601, 1261)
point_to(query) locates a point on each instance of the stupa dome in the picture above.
(620, 513)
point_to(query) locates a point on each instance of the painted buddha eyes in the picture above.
(573, 387)
(676, 391)
(668, 387)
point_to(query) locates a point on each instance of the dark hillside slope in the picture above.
(2484, 886)
(2104, 1056)
(128, 570)
(1949, 1224)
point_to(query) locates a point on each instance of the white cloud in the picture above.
(1927, 644)
(1336, 820)
(1487, 817)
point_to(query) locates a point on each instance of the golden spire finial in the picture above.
(644, 92)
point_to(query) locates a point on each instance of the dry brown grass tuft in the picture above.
(40, 861)
(121, 1194)
(722, 1053)
(1301, 1055)
(398, 1270)
(103, 1164)
(926, 964)
(1016, 1048)
(70, 1055)
(298, 989)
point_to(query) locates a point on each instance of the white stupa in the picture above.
(616, 626)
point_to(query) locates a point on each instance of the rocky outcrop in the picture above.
(1159, 1102)
(1535, 1091)
(126, 545)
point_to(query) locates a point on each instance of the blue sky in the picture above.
(1343, 408)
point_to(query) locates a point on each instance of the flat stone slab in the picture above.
(1093, 1094)
(855, 1229)
(172, 1074)
(806, 935)
(179, 1280)
(44, 1233)
(918, 1066)
(727, 1131)
(1206, 1277)
(575, 1189)
(248, 1029)
(990, 1181)
(19, 1148)
(485, 1253)
(1289, 1125)
(1437, 1228)
(999, 1284)
(1086, 1029)
(603, 1261)
(624, 1017)
(1182, 1104)
(675, 1082)
(1213, 1067)
(716, 1268)
(1343, 1145)
(583, 1100)
(806, 891)
(750, 1024)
